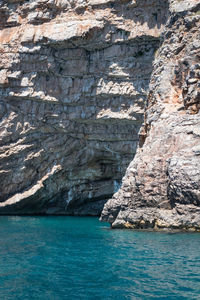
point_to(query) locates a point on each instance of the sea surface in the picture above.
(81, 258)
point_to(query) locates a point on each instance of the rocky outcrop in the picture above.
(73, 82)
(161, 188)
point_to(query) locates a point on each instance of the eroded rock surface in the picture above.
(161, 188)
(73, 82)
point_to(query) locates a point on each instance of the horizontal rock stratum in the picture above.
(161, 187)
(74, 77)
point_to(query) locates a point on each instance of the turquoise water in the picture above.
(81, 258)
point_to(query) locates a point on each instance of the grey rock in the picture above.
(160, 189)
(74, 77)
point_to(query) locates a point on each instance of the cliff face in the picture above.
(161, 188)
(73, 81)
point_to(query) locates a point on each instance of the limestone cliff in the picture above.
(73, 81)
(161, 188)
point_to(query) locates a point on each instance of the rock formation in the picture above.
(161, 187)
(73, 81)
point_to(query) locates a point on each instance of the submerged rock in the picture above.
(73, 81)
(161, 187)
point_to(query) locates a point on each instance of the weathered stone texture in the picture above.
(161, 188)
(73, 81)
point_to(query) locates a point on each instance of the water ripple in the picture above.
(79, 258)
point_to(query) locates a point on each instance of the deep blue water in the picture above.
(81, 258)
